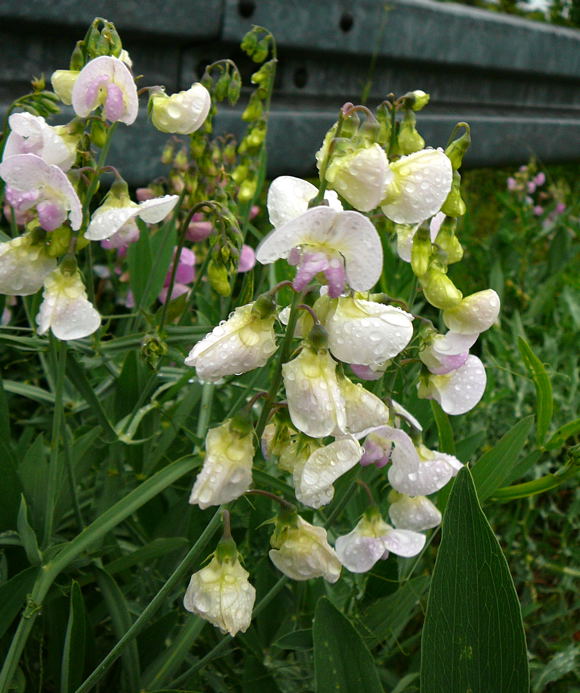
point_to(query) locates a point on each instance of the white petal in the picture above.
(404, 450)
(400, 410)
(421, 185)
(155, 210)
(288, 198)
(460, 390)
(106, 221)
(475, 313)
(417, 514)
(424, 477)
(404, 542)
(33, 135)
(65, 308)
(359, 553)
(364, 410)
(23, 268)
(405, 235)
(453, 343)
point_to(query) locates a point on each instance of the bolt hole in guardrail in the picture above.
(300, 77)
(346, 22)
(246, 8)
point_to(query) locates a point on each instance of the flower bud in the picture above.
(457, 149)
(408, 139)
(476, 313)
(421, 251)
(439, 290)
(182, 113)
(63, 82)
(454, 206)
(417, 100)
(448, 242)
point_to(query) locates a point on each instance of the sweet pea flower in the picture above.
(367, 333)
(301, 550)
(344, 246)
(65, 308)
(288, 198)
(123, 237)
(445, 353)
(245, 341)
(417, 514)
(363, 409)
(372, 539)
(459, 390)
(368, 373)
(24, 265)
(420, 471)
(184, 275)
(182, 113)
(540, 179)
(30, 134)
(106, 81)
(406, 234)
(473, 314)
(315, 476)
(54, 196)
(227, 468)
(63, 82)
(420, 184)
(379, 445)
(221, 593)
(198, 229)
(247, 259)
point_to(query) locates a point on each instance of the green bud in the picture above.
(454, 206)
(98, 133)
(77, 58)
(456, 150)
(261, 51)
(220, 90)
(226, 551)
(249, 42)
(38, 83)
(58, 241)
(264, 74)
(421, 252)
(383, 116)
(448, 241)
(153, 348)
(264, 306)
(234, 88)
(247, 190)
(417, 100)
(218, 277)
(114, 39)
(241, 423)
(318, 338)
(439, 290)
(254, 110)
(239, 174)
(180, 160)
(167, 153)
(408, 139)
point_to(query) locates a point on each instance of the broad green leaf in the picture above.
(544, 399)
(493, 468)
(342, 662)
(13, 594)
(473, 637)
(444, 430)
(73, 656)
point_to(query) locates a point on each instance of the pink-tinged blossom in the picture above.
(24, 265)
(540, 179)
(538, 210)
(380, 441)
(445, 353)
(531, 187)
(198, 229)
(366, 372)
(417, 514)
(458, 391)
(560, 207)
(106, 81)
(30, 134)
(512, 184)
(185, 273)
(28, 173)
(420, 471)
(247, 259)
(143, 194)
(123, 237)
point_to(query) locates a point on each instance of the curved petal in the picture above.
(288, 198)
(475, 313)
(417, 514)
(460, 390)
(155, 210)
(358, 553)
(404, 542)
(23, 267)
(364, 410)
(106, 221)
(400, 410)
(33, 135)
(421, 184)
(430, 474)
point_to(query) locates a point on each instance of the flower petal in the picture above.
(475, 313)
(404, 542)
(155, 210)
(31, 134)
(106, 221)
(417, 514)
(460, 390)
(288, 198)
(359, 553)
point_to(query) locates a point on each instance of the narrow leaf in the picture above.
(544, 399)
(566, 431)
(12, 596)
(444, 430)
(493, 468)
(73, 656)
(473, 637)
(28, 535)
(79, 379)
(342, 662)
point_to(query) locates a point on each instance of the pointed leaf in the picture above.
(73, 656)
(473, 637)
(544, 399)
(13, 595)
(342, 662)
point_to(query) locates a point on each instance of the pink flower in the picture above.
(531, 186)
(512, 183)
(247, 259)
(185, 273)
(560, 207)
(540, 179)
(538, 210)
(198, 229)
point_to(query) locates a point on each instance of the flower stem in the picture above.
(205, 409)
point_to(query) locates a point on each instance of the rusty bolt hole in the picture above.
(346, 22)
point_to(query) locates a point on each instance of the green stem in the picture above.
(532, 488)
(205, 409)
(59, 350)
(158, 601)
(323, 183)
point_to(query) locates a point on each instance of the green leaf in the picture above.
(473, 637)
(444, 430)
(342, 662)
(149, 261)
(295, 640)
(566, 431)
(77, 376)
(73, 656)
(28, 535)
(544, 399)
(565, 662)
(493, 468)
(29, 391)
(12, 596)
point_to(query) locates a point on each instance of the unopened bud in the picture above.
(218, 277)
(63, 82)
(247, 190)
(318, 337)
(408, 139)
(77, 58)
(448, 241)
(254, 110)
(234, 88)
(421, 252)
(439, 290)
(264, 306)
(456, 150)
(417, 100)
(454, 206)
(167, 153)
(98, 133)
(153, 348)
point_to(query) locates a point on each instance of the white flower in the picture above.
(301, 551)
(400, 412)
(288, 198)
(406, 234)
(31, 134)
(65, 308)
(421, 472)
(419, 187)
(315, 476)
(181, 113)
(417, 514)
(446, 353)
(55, 197)
(372, 539)
(474, 314)
(367, 333)
(24, 265)
(243, 342)
(227, 468)
(106, 81)
(315, 403)
(363, 409)
(221, 594)
(114, 213)
(361, 176)
(344, 246)
(459, 390)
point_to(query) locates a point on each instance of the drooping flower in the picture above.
(106, 81)
(54, 196)
(420, 471)
(182, 113)
(459, 390)
(420, 185)
(227, 467)
(30, 134)
(363, 409)
(288, 198)
(314, 477)
(372, 539)
(474, 314)
(344, 246)
(65, 308)
(417, 514)
(315, 403)
(24, 265)
(406, 234)
(221, 593)
(378, 445)
(367, 333)
(244, 342)
(301, 550)
(445, 353)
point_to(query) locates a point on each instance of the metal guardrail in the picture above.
(516, 81)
